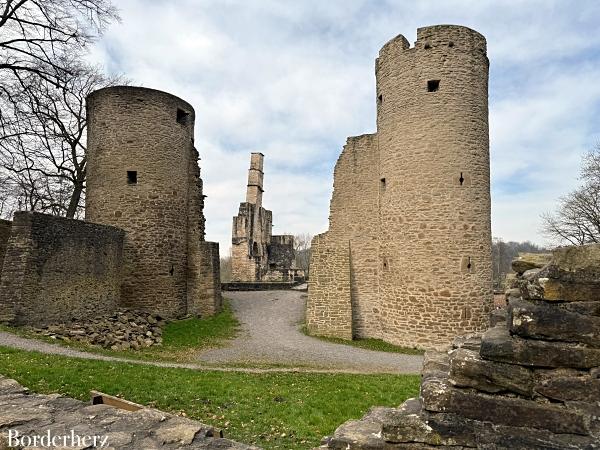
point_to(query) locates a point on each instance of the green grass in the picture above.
(272, 410)
(369, 344)
(182, 339)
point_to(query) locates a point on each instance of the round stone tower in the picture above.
(434, 196)
(142, 176)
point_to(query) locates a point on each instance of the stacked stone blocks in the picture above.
(531, 381)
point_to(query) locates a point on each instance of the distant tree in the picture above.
(502, 255)
(302, 251)
(225, 269)
(576, 220)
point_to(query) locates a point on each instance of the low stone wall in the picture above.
(258, 286)
(5, 226)
(57, 270)
(530, 382)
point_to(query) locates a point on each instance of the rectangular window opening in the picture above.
(182, 116)
(382, 185)
(433, 85)
(131, 177)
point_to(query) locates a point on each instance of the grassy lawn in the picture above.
(182, 339)
(272, 410)
(369, 344)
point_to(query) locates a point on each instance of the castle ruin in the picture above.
(257, 255)
(142, 245)
(407, 257)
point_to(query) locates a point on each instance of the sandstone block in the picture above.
(467, 369)
(528, 261)
(358, 435)
(497, 316)
(498, 345)
(541, 320)
(509, 411)
(582, 388)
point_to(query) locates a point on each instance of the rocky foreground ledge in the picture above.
(532, 381)
(35, 415)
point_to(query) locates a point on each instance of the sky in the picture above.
(293, 78)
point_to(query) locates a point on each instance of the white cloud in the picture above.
(294, 79)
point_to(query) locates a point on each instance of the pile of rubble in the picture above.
(531, 381)
(122, 330)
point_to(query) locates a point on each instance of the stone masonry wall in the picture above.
(5, 226)
(330, 312)
(59, 269)
(355, 218)
(414, 199)
(143, 176)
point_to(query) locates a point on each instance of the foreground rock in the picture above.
(35, 415)
(122, 330)
(530, 382)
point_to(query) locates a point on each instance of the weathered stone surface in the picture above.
(33, 414)
(498, 345)
(543, 320)
(516, 412)
(435, 364)
(569, 388)
(557, 290)
(498, 316)
(576, 264)
(485, 435)
(358, 434)
(467, 369)
(586, 308)
(468, 341)
(528, 261)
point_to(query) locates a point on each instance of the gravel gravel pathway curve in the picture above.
(271, 335)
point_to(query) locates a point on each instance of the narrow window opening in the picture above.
(450, 44)
(469, 264)
(382, 185)
(433, 85)
(461, 180)
(131, 177)
(380, 98)
(172, 271)
(182, 116)
(427, 46)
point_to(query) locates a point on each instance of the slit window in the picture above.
(433, 85)
(131, 177)
(380, 99)
(382, 185)
(461, 180)
(182, 116)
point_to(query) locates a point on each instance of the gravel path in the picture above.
(270, 335)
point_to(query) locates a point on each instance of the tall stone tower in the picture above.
(410, 212)
(143, 176)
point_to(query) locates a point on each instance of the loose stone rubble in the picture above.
(35, 415)
(532, 381)
(123, 330)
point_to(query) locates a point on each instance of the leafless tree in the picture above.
(576, 221)
(302, 251)
(37, 36)
(42, 146)
(43, 85)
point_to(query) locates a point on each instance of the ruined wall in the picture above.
(59, 269)
(413, 200)
(281, 252)
(143, 176)
(5, 226)
(330, 311)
